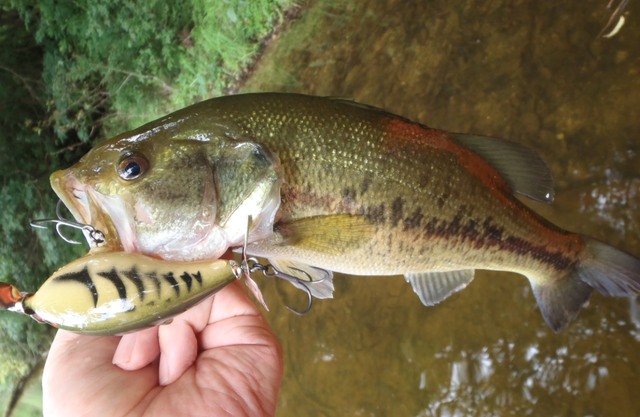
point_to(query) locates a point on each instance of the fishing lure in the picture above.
(108, 293)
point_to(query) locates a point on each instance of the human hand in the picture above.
(220, 358)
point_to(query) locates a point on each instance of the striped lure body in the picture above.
(118, 292)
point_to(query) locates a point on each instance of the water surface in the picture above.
(530, 71)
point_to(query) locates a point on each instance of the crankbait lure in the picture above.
(112, 293)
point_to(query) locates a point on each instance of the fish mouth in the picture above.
(88, 206)
(73, 195)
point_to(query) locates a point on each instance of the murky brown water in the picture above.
(528, 70)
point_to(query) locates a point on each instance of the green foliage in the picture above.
(27, 156)
(141, 60)
(102, 54)
(30, 402)
(74, 72)
(222, 44)
(28, 342)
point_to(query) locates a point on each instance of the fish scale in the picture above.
(324, 189)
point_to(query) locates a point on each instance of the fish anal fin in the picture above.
(523, 169)
(560, 302)
(434, 287)
(320, 284)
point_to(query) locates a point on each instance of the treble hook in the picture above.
(256, 266)
(294, 280)
(308, 291)
(96, 235)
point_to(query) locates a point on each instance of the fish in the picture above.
(333, 184)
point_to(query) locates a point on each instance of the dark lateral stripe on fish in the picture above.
(366, 183)
(82, 277)
(134, 277)
(153, 277)
(187, 280)
(480, 235)
(488, 235)
(373, 214)
(349, 195)
(115, 279)
(414, 220)
(396, 211)
(172, 281)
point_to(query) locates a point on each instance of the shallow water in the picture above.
(526, 70)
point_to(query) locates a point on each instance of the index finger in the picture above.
(235, 320)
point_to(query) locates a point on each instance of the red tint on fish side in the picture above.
(414, 136)
(403, 135)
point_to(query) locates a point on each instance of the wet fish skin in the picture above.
(341, 158)
(175, 210)
(370, 193)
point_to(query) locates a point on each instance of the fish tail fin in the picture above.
(601, 267)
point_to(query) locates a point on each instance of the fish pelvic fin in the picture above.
(434, 287)
(524, 171)
(601, 267)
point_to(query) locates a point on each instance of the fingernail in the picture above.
(125, 349)
(165, 373)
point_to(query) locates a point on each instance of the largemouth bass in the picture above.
(337, 185)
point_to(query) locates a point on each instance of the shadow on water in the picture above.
(527, 70)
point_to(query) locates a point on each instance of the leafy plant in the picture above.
(75, 72)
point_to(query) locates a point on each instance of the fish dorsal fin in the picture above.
(433, 287)
(353, 103)
(323, 289)
(523, 169)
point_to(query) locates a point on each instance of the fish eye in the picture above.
(132, 167)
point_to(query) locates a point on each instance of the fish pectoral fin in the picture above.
(523, 169)
(319, 235)
(434, 287)
(320, 280)
(327, 234)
